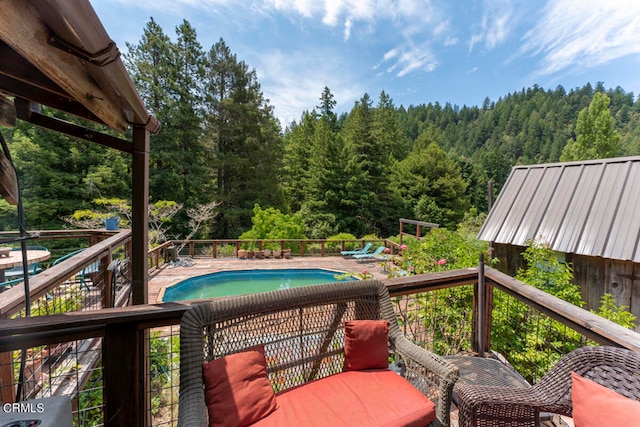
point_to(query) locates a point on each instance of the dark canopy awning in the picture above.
(57, 53)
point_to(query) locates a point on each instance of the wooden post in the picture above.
(301, 248)
(490, 196)
(125, 379)
(129, 368)
(7, 381)
(480, 319)
(107, 289)
(139, 212)
(401, 232)
(322, 248)
(214, 249)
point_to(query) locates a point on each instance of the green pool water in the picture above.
(228, 283)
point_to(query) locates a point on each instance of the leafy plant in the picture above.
(444, 314)
(534, 342)
(618, 314)
(270, 223)
(349, 246)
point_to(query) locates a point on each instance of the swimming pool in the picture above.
(228, 283)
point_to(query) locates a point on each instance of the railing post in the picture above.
(301, 248)
(214, 249)
(480, 307)
(126, 382)
(107, 289)
(322, 248)
(139, 214)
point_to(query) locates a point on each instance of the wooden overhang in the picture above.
(57, 53)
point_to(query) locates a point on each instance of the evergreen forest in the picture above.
(355, 172)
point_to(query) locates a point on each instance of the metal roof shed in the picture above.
(589, 208)
(57, 53)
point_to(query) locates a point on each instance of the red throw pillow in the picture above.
(237, 390)
(597, 406)
(366, 344)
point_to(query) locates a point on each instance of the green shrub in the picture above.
(349, 246)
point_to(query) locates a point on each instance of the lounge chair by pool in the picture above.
(358, 251)
(373, 254)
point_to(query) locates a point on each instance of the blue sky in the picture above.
(418, 51)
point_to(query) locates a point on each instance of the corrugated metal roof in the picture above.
(589, 208)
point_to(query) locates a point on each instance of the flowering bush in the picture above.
(365, 275)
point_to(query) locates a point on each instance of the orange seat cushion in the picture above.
(351, 399)
(597, 406)
(237, 390)
(366, 344)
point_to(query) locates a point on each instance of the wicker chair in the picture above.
(302, 330)
(485, 406)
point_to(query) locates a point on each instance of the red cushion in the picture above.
(597, 406)
(366, 344)
(237, 390)
(375, 398)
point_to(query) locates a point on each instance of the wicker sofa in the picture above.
(302, 330)
(485, 406)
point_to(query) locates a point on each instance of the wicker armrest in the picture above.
(499, 406)
(427, 371)
(192, 401)
(614, 368)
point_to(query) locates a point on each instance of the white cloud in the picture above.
(347, 29)
(576, 34)
(293, 82)
(408, 58)
(401, 13)
(498, 21)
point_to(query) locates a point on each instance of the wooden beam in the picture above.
(19, 78)
(8, 181)
(7, 112)
(23, 30)
(68, 128)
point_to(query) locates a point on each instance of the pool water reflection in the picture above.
(239, 282)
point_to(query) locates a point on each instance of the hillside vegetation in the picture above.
(356, 172)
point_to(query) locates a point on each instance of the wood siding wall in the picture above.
(595, 276)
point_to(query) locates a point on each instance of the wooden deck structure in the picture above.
(57, 53)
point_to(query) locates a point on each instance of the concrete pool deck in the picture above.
(168, 274)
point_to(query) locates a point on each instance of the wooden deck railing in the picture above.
(230, 247)
(124, 332)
